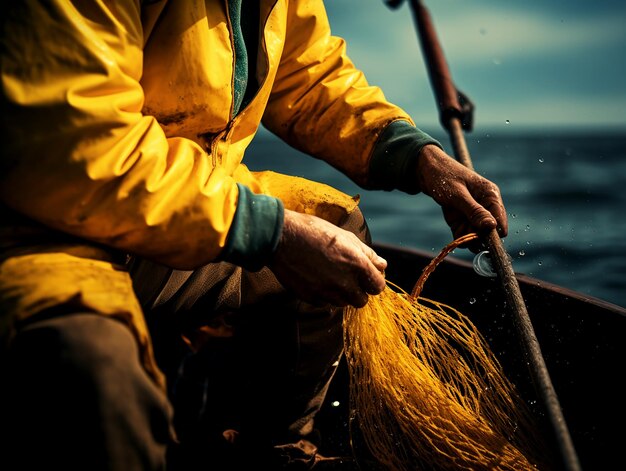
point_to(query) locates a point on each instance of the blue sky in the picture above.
(536, 63)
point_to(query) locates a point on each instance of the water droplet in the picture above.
(472, 301)
(513, 215)
(507, 122)
(541, 160)
(539, 263)
(522, 253)
(482, 265)
(335, 403)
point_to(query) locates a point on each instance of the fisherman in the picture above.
(163, 305)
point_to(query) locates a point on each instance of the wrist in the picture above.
(428, 158)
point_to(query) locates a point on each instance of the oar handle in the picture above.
(451, 116)
(439, 73)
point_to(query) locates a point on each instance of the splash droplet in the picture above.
(482, 264)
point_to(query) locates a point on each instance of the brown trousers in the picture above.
(247, 368)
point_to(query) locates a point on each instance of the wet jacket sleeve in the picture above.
(323, 105)
(395, 155)
(79, 156)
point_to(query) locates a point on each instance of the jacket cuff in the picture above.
(255, 231)
(395, 156)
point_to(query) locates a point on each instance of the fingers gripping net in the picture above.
(427, 392)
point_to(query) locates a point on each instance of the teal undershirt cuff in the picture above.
(255, 231)
(395, 156)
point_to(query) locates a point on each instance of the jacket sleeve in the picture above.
(323, 105)
(78, 154)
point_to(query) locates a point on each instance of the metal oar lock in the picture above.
(456, 116)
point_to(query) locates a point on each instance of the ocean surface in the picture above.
(565, 193)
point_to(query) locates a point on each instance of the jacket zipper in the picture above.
(226, 133)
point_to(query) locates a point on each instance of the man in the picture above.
(124, 129)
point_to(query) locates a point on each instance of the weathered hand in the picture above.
(470, 202)
(323, 263)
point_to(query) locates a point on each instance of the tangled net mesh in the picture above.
(426, 390)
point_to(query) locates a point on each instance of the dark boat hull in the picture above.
(582, 340)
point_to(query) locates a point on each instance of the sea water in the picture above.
(565, 194)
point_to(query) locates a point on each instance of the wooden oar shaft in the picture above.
(450, 116)
(538, 368)
(459, 146)
(539, 371)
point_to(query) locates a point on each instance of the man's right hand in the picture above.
(322, 263)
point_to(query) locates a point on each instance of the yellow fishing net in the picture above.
(426, 390)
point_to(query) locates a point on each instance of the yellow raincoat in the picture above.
(118, 137)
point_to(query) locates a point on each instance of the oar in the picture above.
(454, 117)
